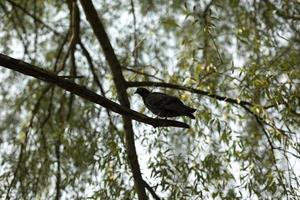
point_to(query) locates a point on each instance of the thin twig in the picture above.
(97, 80)
(280, 179)
(185, 88)
(152, 192)
(24, 143)
(142, 73)
(33, 16)
(36, 30)
(60, 50)
(135, 50)
(19, 34)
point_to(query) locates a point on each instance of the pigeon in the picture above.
(164, 105)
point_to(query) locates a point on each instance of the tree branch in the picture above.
(99, 31)
(152, 192)
(31, 70)
(96, 79)
(135, 48)
(142, 73)
(280, 178)
(190, 89)
(118, 78)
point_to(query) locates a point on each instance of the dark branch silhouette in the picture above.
(31, 70)
(120, 84)
(190, 89)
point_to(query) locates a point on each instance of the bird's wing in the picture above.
(170, 103)
(161, 100)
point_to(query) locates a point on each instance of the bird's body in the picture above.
(164, 105)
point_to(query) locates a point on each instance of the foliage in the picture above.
(56, 144)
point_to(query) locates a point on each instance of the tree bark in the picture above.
(120, 83)
(36, 72)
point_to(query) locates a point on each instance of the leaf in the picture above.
(169, 23)
(22, 137)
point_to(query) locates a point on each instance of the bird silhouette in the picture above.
(164, 105)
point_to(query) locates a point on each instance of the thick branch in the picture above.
(118, 78)
(99, 31)
(31, 70)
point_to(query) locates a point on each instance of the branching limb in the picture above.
(244, 104)
(120, 84)
(41, 74)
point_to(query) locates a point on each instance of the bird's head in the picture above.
(142, 91)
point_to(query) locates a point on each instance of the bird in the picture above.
(164, 105)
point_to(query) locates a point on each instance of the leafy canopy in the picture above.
(244, 56)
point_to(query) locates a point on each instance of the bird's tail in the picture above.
(190, 115)
(190, 112)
